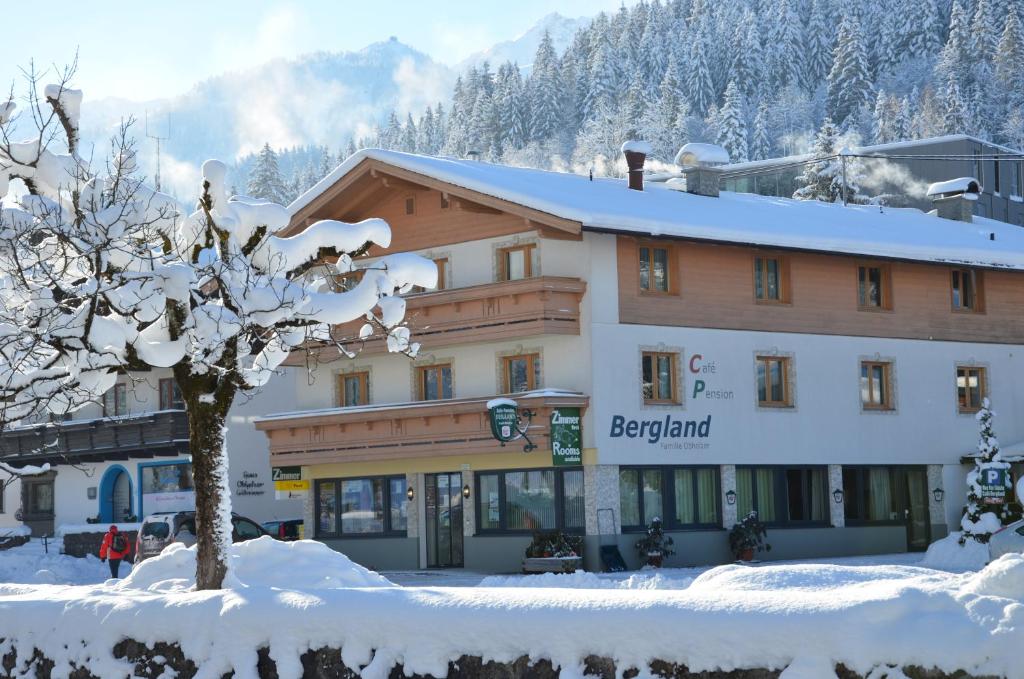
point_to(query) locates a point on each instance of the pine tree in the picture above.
(818, 47)
(955, 61)
(265, 179)
(984, 37)
(925, 27)
(761, 143)
(732, 125)
(823, 179)
(544, 95)
(982, 518)
(849, 85)
(407, 140)
(1008, 64)
(747, 67)
(701, 88)
(954, 120)
(785, 42)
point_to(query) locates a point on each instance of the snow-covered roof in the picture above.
(958, 185)
(697, 153)
(635, 146)
(608, 205)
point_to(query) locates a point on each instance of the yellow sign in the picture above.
(291, 485)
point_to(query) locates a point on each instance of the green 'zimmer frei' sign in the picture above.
(566, 437)
(504, 418)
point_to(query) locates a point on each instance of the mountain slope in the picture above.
(521, 50)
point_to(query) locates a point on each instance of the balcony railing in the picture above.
(545, 305)
(403, 430)
(154, 434)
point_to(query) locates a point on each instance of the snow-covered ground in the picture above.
(866, 613)
(36, 563)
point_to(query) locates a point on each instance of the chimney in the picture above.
(954, 199)
(636, 152)
(701, 164)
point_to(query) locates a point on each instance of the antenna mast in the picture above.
(156, 177)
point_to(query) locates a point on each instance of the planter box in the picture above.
(552, 564)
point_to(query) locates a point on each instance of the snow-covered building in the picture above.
(817, 363)
(902, 171)
(127, 457)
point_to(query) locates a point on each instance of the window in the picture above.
(515, 263)
(996, 186)
(682, 497)
(359, 507)
(660, 384)
(520, 373)
(1019, 175)
(873, 287)
(970, 388)
(979, 168)
(966, 290)
(170, 395)
(115, 401)
(773, 381)
(434, 382)
(442, 276)
(876, 385)
(444, 201)
(783, 495)
(530, 500)
(771, 279)
(874, 494)
(353, 389)
(247, 530)
(654, 269)
(348, 281)
(2, 489)
(410, 205)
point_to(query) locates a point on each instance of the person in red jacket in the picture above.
(115, 547)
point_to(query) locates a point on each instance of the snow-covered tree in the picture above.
(823, 179)
(760, 142)
(981, 519)
(265, 180)
(732, 125)
(701, 87)
(102, 274)
(849, 84)
(544, 91)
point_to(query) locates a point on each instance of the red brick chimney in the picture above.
(636, 152)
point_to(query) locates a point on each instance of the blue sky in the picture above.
(161, 48)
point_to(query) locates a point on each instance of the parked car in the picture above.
(161, 529)
(285, 530)
(1006, 540)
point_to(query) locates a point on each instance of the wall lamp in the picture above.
(465, 491)
(938, 494)
(410, 493)
(730, 497)
(838, 495)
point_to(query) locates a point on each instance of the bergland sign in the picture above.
(566, 437)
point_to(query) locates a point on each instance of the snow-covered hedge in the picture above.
(306, 606)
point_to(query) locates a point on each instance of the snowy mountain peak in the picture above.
(522, 49)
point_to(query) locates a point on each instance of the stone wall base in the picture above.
(84, 544)
(325, 663)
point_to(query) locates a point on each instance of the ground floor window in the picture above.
(875, 494)
(365, 506)
(783, 495)
(530, 500)
(682, 497)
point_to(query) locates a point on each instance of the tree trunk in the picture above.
(213, 495)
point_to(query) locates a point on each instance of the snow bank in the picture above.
(15, 532)
(949, 555)
(31, 564)
(71, 528)
(804, 617)
(265, 562)
(585, 580)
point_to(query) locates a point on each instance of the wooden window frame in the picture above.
(442, 277)
(787, 400)
(120, 390)
(531, 373)
(410, 205)
(982, 388)
(888, 404)
(656, 398)
(885, 271)
(504, 252)
(364, 387)
(671, 270)
(421, 370)
(977, 278)
(783, 285)
(341, 280)
(160, 389)
(446, 203)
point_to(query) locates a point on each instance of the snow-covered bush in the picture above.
(100, 273)
(984, 516)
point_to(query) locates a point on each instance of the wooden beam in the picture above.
(470, 206)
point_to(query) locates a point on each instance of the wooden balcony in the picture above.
(403, 430)
(155, 434)
(545, 305)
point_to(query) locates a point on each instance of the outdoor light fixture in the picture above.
(465, 491)
(730, 497)
(410, 494)
(938, 494)
(837, 495)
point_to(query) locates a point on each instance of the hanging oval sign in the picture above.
(504, 418)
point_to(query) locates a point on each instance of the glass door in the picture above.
(444, 520)
(918, 520)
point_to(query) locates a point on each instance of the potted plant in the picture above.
(748, 536)
(655, 545)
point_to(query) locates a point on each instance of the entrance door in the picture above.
(121, 498)
(37, 503)
(444, 520)
(918, 519)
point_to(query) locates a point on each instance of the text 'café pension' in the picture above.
(599, 353)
